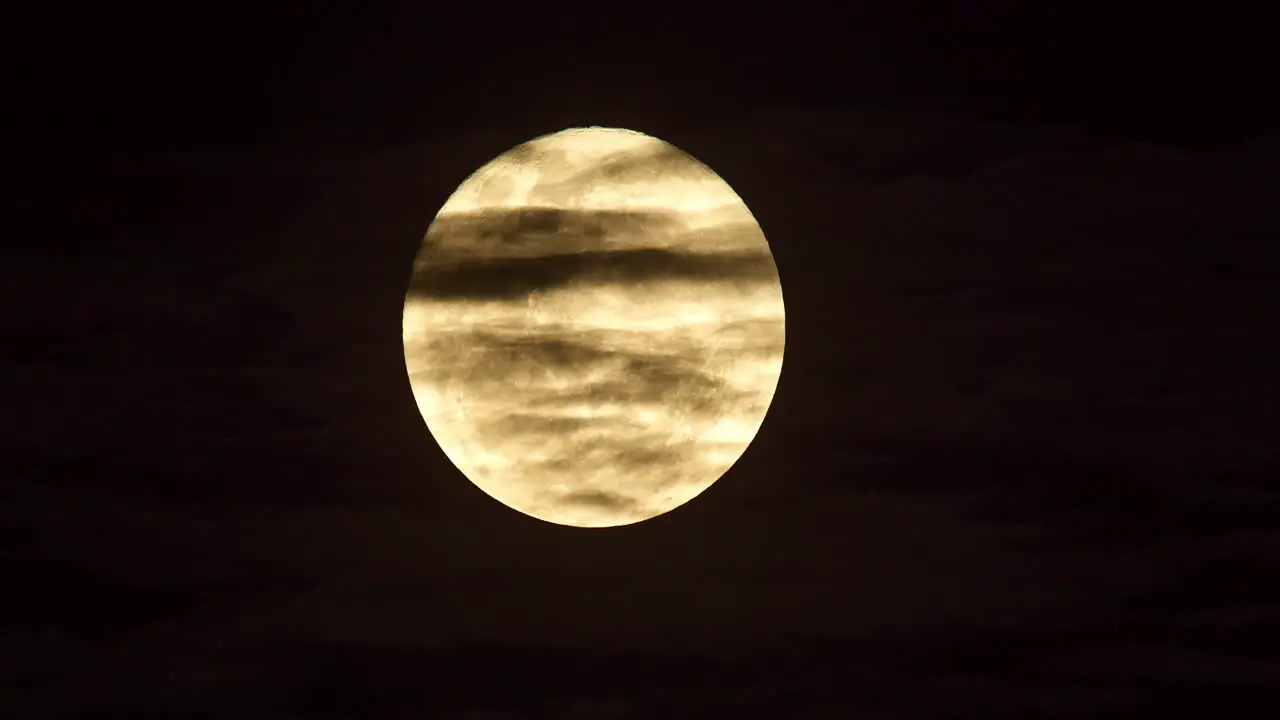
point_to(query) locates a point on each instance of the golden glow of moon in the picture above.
(594, 329)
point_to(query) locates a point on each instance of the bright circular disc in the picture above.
(594, 328)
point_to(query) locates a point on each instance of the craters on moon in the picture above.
(594, 328)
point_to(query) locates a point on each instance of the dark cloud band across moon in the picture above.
(517, 277)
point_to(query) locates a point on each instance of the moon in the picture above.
(594, 328)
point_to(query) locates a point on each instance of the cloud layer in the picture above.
(1023, 464)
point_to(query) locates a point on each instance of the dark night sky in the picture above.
(227, 70)
(1021, 462)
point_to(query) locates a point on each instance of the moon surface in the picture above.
(594, 328)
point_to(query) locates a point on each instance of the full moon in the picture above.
(594, 327)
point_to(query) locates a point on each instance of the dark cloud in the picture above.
(620, 452)
(536, 230)
(526, 423)
(517, 277)
(670, 375)
(524, 362)
(527, 363)
(648, 379)
(499, 356)
(597, 499)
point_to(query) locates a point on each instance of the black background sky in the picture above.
(1021, 462)
(219, 71)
